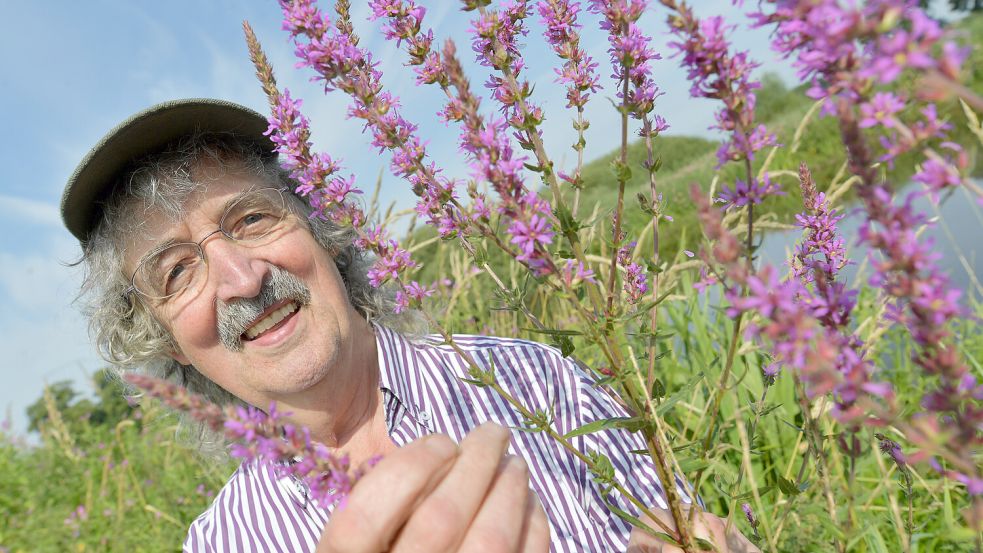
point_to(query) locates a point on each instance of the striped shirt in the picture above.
(423, 394)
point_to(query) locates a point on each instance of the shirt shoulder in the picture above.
(257, 510)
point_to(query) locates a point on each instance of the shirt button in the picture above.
(424, 416)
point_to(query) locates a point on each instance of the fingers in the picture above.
(383, 500)
(705, 526)
(456, 499)
(536, 527)
(498, 525)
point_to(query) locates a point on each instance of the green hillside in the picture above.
(689, 160)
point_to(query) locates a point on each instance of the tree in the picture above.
(108, 408)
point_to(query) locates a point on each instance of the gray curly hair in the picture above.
(127, 334)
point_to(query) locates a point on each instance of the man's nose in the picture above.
(235, 270)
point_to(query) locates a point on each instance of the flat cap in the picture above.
(145, 133)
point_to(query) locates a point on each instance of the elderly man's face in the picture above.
(292, 355)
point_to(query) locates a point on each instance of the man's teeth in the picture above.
(270, 320)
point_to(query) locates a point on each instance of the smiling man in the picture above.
(205, 268)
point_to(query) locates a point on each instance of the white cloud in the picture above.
(31, 211)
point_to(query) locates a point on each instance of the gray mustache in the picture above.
(235, 317)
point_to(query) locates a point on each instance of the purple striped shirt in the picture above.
(423, 394)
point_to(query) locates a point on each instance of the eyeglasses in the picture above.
(173, 269)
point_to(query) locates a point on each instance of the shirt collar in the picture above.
(402, 371)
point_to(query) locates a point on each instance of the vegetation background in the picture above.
(102, 475)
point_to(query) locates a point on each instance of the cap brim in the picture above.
(142, 134)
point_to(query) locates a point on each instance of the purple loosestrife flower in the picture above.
(880, 110)
(412, 295)
(717, 73)
(340, 63)
(263, 437)
(818, 259)
(316, 173)
(531, 232)
(842, 50)
(574, 273)
(749, 194)
(485, 143)
(495, 42)
(562, 33)
(631, 55)
(749, 516)
(789, 325)
(892, 449)
(941, 174)
(635, 277)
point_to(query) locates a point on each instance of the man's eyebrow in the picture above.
(156, 250)
(171, 241)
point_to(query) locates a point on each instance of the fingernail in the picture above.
(514, 462)
(498, 430)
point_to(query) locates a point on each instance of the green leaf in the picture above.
(565, 345)
(767, 409)
(705, 545)
(607, 424)
(602, 468)
(480, 254)
(787, 486)
(621, 170)
(554, 332)
(656, 165)
(693, 465)
(658, 389)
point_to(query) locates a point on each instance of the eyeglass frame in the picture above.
(132, 288)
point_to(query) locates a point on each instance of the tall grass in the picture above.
(84, 487)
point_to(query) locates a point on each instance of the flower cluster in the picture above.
(334, 54)
(635, 279)
(562, 33)
(717, 73)
(789, 325)
(843, 51)
(316, 173)
(749, 193)
(265, 438)
(631, 55)
(495, 42)
(816, 263)
(486, 143)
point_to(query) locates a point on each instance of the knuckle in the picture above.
(444, 509)
(350, 534)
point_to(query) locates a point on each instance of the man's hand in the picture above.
(706, 526)
(433, 495)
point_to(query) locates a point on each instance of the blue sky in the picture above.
(72, 70)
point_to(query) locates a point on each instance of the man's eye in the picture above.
(252, 225)
(253, 218)
(177, 277)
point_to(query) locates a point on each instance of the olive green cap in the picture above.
(147, 132)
